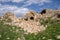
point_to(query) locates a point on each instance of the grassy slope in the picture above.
(8, 32)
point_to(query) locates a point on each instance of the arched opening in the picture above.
(44, 11)
(58, 15)
(31, 18)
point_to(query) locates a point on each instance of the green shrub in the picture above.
(8, 32)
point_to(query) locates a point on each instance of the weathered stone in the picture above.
(54, 14)
(30, 21)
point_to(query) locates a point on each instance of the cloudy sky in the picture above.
(20, 7)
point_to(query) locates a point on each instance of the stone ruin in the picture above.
(32, 16)
(30, 21)
(54, 14)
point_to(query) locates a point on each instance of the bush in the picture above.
(8, 32)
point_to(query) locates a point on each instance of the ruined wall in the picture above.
(55, 14)
(30, 21)
(32, 16)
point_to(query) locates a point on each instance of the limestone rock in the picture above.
(30, 21)
(54, 14)
(10, 16)
(32, 16)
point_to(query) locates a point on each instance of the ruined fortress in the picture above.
(30, 21)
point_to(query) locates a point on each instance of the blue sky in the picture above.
(20, 7)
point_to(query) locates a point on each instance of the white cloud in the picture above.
(17, 1)
(4, 0)
(21, 11)
(17, 10)
(28, 2)
(39, 2)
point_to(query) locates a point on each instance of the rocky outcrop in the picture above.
(32, 16)
(30, 21)
(10, 17)
(54, 14)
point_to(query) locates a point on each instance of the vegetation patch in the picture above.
(8, 32)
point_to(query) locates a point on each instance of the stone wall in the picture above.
(30, 21)
(55, 14)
